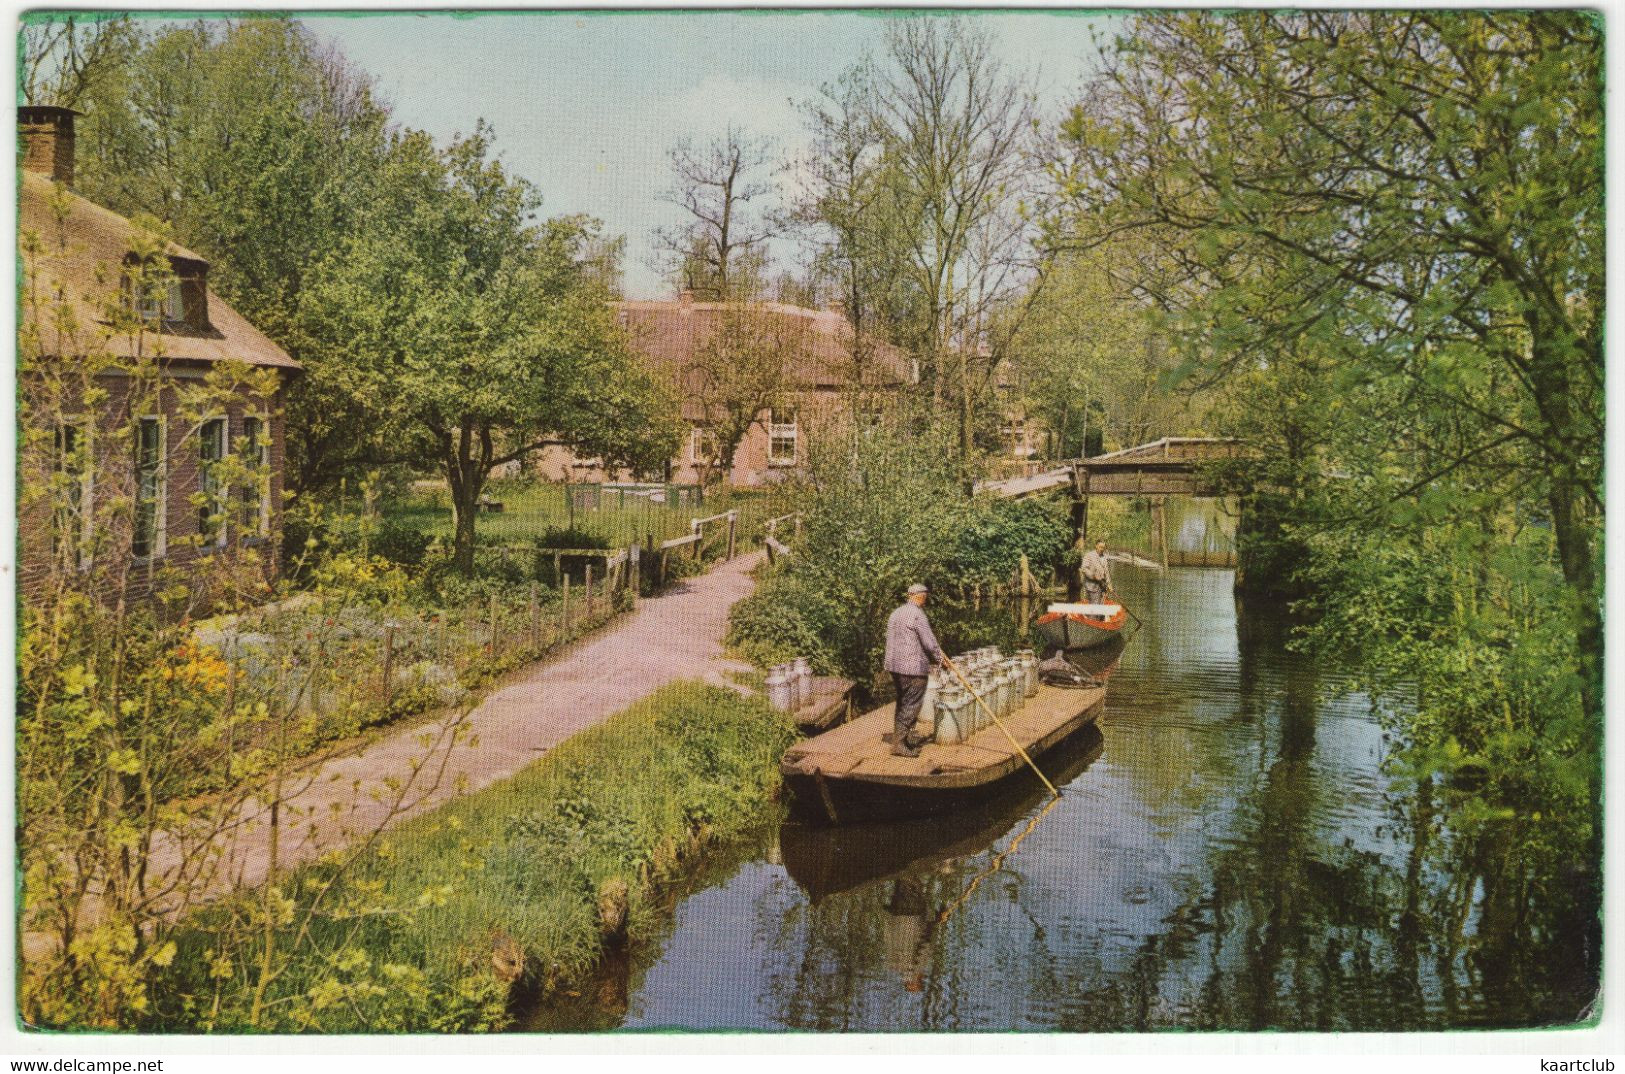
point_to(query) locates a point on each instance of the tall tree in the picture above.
(738, 375)
(1090, 362)
(486, 335)
(720, 250)
(262, 149)
(67, 59)
(1410, 203)
(949, 126)
(860, 246)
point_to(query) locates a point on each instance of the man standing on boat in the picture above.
(1097, 574)
(911, 649)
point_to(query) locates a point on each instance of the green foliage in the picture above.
(785, 617)
(1380, 239)
(881, 506)
(1463, 631)
(1095, 368)
(436, 321)
(884, 508)
(400, 543)
(555, 859)
(1378, 244)
(570, 537)
(993, 535)
(500, 340)
(403, 545)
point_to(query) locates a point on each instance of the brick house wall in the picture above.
(669, 334)
(79, 264)
(111, 489)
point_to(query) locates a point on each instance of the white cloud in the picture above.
(719, 101)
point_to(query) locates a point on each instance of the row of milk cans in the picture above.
(790, 686)
(1003, 683)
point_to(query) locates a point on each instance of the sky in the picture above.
(588, 106)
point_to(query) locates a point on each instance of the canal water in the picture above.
(1228, 854)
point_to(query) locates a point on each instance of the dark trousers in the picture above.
(910, 693)
(1093, 592)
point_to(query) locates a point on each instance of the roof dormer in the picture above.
(176, 298)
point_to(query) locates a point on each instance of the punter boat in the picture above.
(1082, 626)
(826, 860)
(849, 774)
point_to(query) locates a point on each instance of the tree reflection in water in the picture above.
(1230, 855)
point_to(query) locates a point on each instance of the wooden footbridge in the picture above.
(1172, 466)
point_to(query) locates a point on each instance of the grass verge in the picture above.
(523, 881)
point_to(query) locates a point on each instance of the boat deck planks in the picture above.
(855, 750)
(827, 706)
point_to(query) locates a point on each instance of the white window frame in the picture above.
(696, 444)
(84, 543)
(791, 429)
(168, 306)
(260, 467)
(1015, 434)
(220, 496)
(160, 510)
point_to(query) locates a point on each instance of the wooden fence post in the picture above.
(565, 615)
(535, 621)
(493, 626)
(281, 686)
(586, 593)
(634, 570)
(231, 704)
(733, 529)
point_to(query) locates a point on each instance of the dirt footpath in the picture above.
(677, 635)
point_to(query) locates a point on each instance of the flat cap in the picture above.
(917, 587)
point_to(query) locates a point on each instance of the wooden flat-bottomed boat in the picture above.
(826, 860)
(850, 774)
(1082, 626)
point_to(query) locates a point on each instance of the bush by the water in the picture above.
(527, 877)
(783, 618)
(993, 535)
(883, 507)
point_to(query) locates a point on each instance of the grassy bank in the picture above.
(523, 881)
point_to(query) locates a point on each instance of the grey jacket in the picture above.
(910, 645)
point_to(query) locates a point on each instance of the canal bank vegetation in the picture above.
(149, 728)
(884, 506)
(434, 925)
(1381, 256)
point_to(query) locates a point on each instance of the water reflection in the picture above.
(1227, 854)
(910, 921)
(827, 861)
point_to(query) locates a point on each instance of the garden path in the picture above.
(677, 635)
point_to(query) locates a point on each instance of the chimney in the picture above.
(685, 299)
(45, 135)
